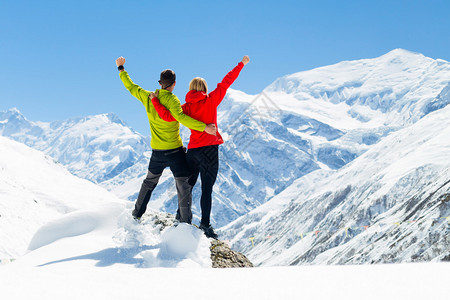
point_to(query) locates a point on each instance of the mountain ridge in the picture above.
(354, 215)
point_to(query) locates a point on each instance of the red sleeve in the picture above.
(162, 111)
(219, 93)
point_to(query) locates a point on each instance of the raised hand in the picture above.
(120, 61)
(245, 60)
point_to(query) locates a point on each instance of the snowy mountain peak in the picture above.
(107, 118)
(12, 121)
(404, 86)
(14, 110)
(115, 119)
(13, 114)
(399, 52)
(355, 73)
(84, 144)
(99, 120)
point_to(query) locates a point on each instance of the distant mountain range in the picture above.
(390, 205)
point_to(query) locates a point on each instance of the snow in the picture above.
(95, 250)
(400, 180)
(73, 224)
(107, 234)
(74, 228)
(72, 239)
(35, 190)
(50, 215)
(70, 281)
(117, 258)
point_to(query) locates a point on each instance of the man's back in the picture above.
(165, 135)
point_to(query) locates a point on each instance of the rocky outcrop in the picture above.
(221, 254)
(223, 257)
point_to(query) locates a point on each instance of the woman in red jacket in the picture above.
(203, 149)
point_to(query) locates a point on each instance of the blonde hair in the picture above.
(198, 84)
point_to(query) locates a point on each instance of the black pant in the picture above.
(204, 161)
(176, 160)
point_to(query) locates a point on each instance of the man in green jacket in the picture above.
(167, 147)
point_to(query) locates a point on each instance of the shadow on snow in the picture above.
(111, 256)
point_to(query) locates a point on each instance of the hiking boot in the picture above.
(176, 221)
(209, 231)
(135, 217)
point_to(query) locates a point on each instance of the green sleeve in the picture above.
(133, 88)
(178, 114)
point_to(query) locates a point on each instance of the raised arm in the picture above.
(133, 88)
(219, 93)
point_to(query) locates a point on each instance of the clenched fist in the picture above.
(245, 60)
(120, 61)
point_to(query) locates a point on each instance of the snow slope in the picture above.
(43, 205)
(391, 204)
(176, 264)
(34, 190)
(135, 261)
(102, 253)
(72, 281)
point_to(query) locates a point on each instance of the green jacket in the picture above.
(165, 135)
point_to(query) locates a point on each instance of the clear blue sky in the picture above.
(57, 57)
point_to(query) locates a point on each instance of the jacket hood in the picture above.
(195, 96)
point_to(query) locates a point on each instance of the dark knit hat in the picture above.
(167, 78)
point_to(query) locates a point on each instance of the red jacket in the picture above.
(202, 107)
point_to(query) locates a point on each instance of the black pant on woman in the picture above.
(176, 160)
(204, 161)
